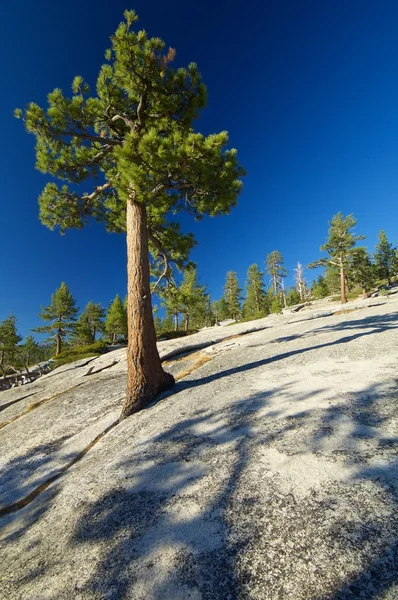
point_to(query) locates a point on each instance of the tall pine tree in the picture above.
(384, 257)
(276, 270)
(232, 295)
(94, 314)
(9, 340)
(132, 144)
(253, 306)
(340, 248)
(116, 320)
(61, 313)
(193, 297)
(362, 271)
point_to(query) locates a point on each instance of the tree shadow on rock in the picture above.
(17, 488)
(177, 492)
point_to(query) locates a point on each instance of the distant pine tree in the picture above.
(253, 306)
(193, 298)
(116, 320)
(340, 247)
(362, 271)
(276, 270)
(29, 353)
(232, 295)
(9, 340)
(95, 315)
(384, 257)
(61, 313)
(293, 297)
(82, 334)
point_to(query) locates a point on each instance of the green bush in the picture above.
(95, 348)
(79, 352)
(276, 307)
(171, 335)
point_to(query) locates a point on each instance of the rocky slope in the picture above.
(268, 472)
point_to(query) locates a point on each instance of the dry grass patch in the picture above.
(202, 360)
(345, 311)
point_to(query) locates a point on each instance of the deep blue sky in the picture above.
(308, 91)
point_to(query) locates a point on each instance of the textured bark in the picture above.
(145, 376)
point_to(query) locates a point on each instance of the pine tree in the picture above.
(82, 334)
(172, 303)
(363, 271)
(156, 319)
(293, 297)
(88, 324)
(277, 273)
(320, 288)
(220, 310)
(116, 320)
(94, 314)
(29, 353)
(384, 257)
(136, 136)
(61, 313)
(268, 300)
(340, 247)
(232, 295)
(9, 340)
(167, 324)
(332, 279)
(253, 306)
(276, 306)
(193, 297)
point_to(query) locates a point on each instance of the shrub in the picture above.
(171, 335)
(79, 352)
(276, 306)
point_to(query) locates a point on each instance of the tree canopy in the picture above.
(130, 158)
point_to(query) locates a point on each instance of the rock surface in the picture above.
(268, 472)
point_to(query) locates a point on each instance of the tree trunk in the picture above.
(186, 322)
(59, 343)
(364, 294)
(176, 321)
(145, 376)
(342, 283)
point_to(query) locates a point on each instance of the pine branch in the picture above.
(164, 255)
